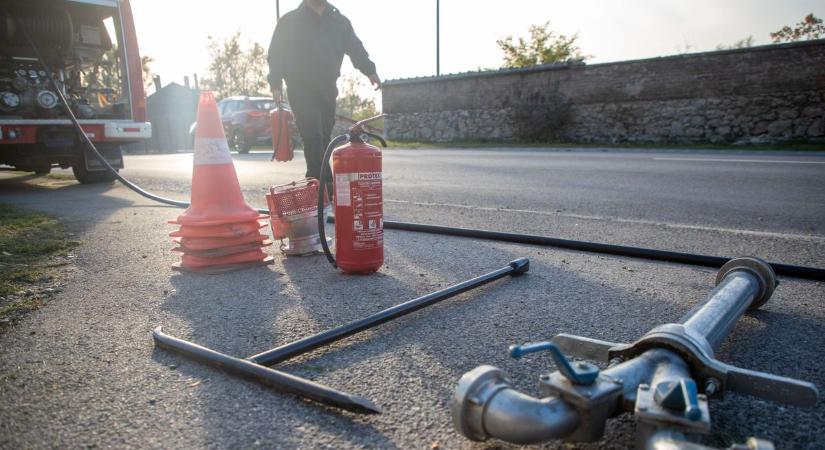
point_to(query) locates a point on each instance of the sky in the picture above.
(401, 38)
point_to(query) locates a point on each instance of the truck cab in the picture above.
(89, 48)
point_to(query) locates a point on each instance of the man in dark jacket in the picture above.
(307, 49)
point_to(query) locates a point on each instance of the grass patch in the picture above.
(28, 243)
(788, 146)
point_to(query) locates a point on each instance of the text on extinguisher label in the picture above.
(342, 188)
(367, 210)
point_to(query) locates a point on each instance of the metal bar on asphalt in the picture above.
(299, 347)
(264, 375)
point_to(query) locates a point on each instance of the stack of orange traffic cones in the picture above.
(219, 232)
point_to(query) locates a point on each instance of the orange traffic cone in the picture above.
(219, 232)
(216, 193)
(219, 262)
(222, 251)
(215, 231)
(196, 262)
(210, 243)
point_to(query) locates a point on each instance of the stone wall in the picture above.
(773, 93)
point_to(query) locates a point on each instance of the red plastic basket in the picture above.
(293, 198)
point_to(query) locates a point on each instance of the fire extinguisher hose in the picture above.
(322, 192)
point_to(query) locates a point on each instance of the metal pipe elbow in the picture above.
(485, 406)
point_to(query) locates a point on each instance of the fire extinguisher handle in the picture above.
(377, 137)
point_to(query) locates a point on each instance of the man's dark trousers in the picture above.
(314, 110)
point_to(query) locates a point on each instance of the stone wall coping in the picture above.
(581, 64)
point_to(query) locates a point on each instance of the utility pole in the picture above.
(437, 37)
(277, 10)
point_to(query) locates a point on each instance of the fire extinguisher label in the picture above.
(367, 211)
(342, 188)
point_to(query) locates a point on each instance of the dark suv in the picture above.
(245, 121)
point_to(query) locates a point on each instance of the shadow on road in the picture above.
(777, 340)
(448, 339)
(402, 365)
(241, 322)
(82, 206)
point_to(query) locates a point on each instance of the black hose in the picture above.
(810, 273)
(322, 194)
(378, 138)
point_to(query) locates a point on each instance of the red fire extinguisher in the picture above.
(281, 119)
(357, 200)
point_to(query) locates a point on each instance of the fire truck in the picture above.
(89, 49)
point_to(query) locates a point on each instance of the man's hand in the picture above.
(278, 96)
(375, 80)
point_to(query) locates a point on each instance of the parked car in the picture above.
(245, 122)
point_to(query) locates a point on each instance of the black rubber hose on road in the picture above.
(809, 273)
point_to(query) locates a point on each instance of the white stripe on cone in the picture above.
(209, 151)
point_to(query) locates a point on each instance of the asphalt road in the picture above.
(82, 371)
(769, 201)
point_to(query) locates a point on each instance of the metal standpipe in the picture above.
(254, 368)
(665, 378)
(301, 233)
(294, 216)
(742, 284)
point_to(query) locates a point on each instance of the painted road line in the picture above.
(764, 161)
(679, 226)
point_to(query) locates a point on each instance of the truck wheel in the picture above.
(85, 176)
(240, 143)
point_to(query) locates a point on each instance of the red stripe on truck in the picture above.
(133, 64)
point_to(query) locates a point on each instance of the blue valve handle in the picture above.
(689, 390)
(679, 395)
(583, 373)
